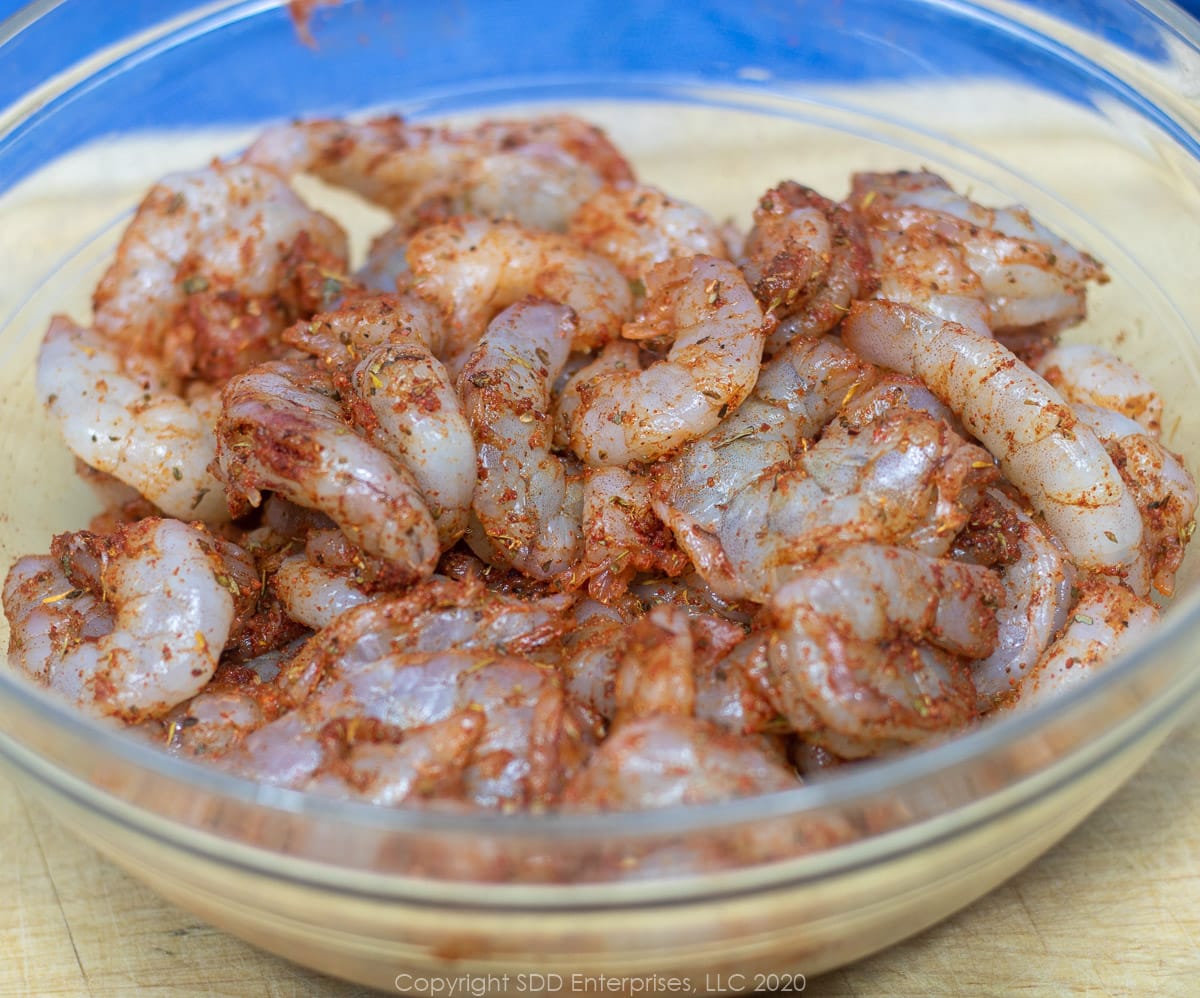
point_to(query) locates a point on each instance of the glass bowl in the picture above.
(1083, 112)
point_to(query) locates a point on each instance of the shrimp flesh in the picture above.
(472, 269)
(1085, 373)
(280, 430)
(806, 258)
(526, 502)
(705, 307)
(209, 271)
(637, 226)
(864, 647)
(128, 422)
(1041, 446)
(148, 641)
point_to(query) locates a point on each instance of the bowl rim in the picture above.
(886, 776)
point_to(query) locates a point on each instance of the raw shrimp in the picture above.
(797, 393)
(128, 422)
(904, 479)
(537, 171)
(527, 503)
(704, 306)
(280, 430)
(204, 275)
(1162, 488)
(1040, 444)
(472, 269)
(156, 644)
(806, 258)
(1090, 374)
(1032, 279)
(622, 535)
(863, 647)
(636, 226)
(618, 355)
(1037, 577)
(664, 760)
(314, 594)
(1105, 621)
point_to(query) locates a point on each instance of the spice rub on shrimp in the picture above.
(145, 636)
(1041, 446)
(216, 263)
(703, 306)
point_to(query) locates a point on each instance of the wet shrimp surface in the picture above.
(573, 497)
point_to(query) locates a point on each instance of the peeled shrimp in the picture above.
(170, 617)
(1037, 578)
(204, 273)
(636, 226)
(1162, 488)
(526, 502)
(1031, 278)
(536, 171)
(1089, 374)
(806, 258)
(704, 306)
(1042, 447)
(1105, 621)
(797, 393)
(863, 646)
(472, 269)
(904, 479)
(280, 430)
(129, 423)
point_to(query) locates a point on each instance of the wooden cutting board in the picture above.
(1113, 910)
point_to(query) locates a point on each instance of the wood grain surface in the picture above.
(1113, 910)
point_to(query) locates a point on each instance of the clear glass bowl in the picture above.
(1084, 112)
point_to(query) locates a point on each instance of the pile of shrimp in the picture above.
(571, 497)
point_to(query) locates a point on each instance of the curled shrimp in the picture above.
(1032, 280)
(797, 393)
(150, 640)
(1037, 576)
(637, 226)
(527, 503)
(1091, 375)
(864, 643)
(1163, 490)
(280, 429)
(537, 171)
(806, 258)
(1105, 621)
(127, 420)
(1041, 446)
(210, 270)
(717, 330)
(472, 269)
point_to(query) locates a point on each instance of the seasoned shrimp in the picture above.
(1042, 447)
(806, 258)
(636, 226)
(863, 647)
(797, 393)
(537, 171)
(1089, 374)
(527, 503)
(1163, 490)
(1105, 621)
(315, 594)
(618, 355)
(168, 617)
(903, 479)
(206, 274)
(472, 269)
(280, 430)
(1032, 279)
(704, 306)
(128, 422)
(1037, 578)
